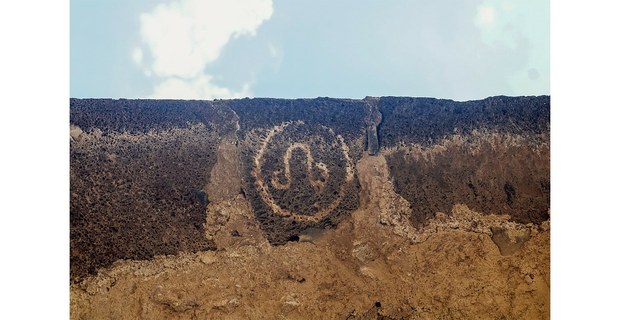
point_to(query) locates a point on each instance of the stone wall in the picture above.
(149, 177)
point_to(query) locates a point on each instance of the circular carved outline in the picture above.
(266, 195)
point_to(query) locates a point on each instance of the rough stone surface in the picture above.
(134, 196)
(138, 174)
(225, 179)
(362, 269)
(490, 172)
(427, 121)
(381, 208)
(298, 161)
(142, 116)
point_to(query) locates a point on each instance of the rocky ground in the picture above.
(373, 265)
(380, 208)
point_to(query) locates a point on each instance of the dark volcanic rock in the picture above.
(298, 160)
(137, 179)
(141, 116)
(425, 121)
(500, 163)
(487, 178)
(140, 168)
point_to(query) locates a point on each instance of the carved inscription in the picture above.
(302, 172)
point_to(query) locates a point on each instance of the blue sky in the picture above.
(208, 49)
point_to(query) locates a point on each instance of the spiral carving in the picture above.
(302, 180)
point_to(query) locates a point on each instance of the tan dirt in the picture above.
(374, 265)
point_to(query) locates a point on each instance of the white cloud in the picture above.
(277, 54)
(485, 16)
(201, 87)
(184, 36)
(136, 55)
(519, 26)
(274, 51)
(498, 23)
